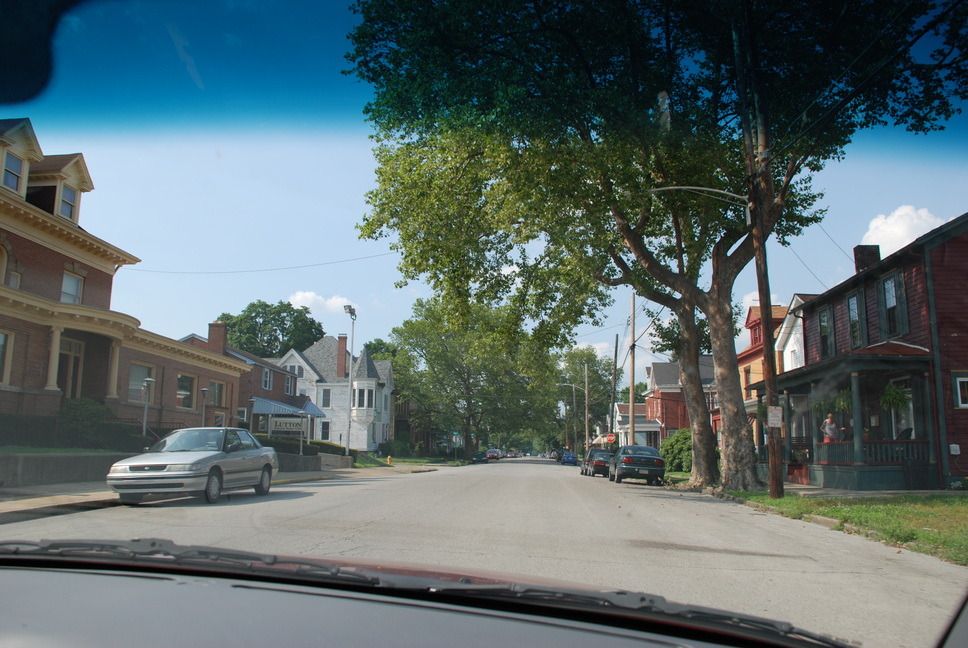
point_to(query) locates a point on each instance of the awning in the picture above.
(275, 408)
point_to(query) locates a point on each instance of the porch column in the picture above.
(787, 426)
(812, 424)
(112, 391)
(858, 419)
(923, 384)
(53, 357)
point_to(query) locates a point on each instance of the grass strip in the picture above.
(936, 525)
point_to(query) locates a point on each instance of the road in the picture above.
(533, 517)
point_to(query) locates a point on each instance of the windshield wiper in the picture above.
(637, 602)
(159, 549)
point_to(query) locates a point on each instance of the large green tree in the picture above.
(269, 330)
(470, 377)
(522, 144)
(573, 364)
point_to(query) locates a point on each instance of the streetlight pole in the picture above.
(204, 391)
(146, 388)
(574, 407)
(302, 424)
(349, 310)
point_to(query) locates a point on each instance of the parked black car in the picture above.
(637, 461)
(479, 457)
(595, 462)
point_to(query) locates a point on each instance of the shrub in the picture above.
(287, 445)
(78, 420)
(396, 448)
(27, 430)
(677, 451)
(327, 447)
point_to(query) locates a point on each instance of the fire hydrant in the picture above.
(389, 460)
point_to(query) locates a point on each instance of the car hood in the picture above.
(158, 458)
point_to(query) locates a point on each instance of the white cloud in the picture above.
(602, 349)
(318, 304)
(898, 229)
(753, 299)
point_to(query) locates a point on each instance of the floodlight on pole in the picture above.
(349, 310)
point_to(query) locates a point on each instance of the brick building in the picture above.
(58, 337)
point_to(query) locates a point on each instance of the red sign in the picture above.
(610, 438)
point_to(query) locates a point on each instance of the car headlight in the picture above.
(118, 469)
(184, 467)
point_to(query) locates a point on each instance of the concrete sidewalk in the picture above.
(24, 502)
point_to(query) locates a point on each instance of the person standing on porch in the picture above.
(829, 429)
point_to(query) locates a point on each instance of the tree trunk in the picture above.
(739, 455)
(705, 462)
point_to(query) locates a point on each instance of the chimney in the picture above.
(865, 256)
(216, 337)
(341, 356)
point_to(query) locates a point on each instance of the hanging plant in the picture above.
(822, 407)
(844, 401)
(894, 397)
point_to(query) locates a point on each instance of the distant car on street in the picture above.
(595, 462)
(638, 462)
(479, 457)
(197, 461)
(494, 454)
(569, 458)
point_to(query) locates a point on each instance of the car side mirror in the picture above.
(235, 447)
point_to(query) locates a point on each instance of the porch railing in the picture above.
(875, 452)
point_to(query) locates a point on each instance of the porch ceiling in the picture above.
(798, 380)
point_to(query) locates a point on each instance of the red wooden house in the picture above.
(886, 351)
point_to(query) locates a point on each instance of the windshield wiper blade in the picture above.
(154, 549)
(637, 602)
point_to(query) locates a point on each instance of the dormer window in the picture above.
(68, 202)
(13, 171)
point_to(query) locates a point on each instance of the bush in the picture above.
(396, 448)
(677, 451)
(78, 420)
(328, 447)
(30, 431)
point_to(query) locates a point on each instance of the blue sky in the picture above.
(223, 137)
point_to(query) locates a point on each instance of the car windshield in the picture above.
(190, 440)
(701, 267)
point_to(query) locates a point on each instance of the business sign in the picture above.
(774, 416)
(288, 425)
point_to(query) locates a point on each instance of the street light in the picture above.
(302, 424)
(204, 391)
(349, 310)
(145, 387)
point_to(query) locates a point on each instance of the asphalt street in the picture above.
(532, 517)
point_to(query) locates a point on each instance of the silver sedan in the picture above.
(202, 461)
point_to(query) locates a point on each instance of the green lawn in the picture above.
(930, 524)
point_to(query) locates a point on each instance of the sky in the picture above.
(230, 154)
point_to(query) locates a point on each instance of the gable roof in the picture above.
(666, 374)
(60, 165)
(322, 355)
(8, 128)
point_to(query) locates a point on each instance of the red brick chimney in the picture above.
(341, 356)
(216, 337)
(866, 256)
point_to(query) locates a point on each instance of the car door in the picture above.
(235, 467)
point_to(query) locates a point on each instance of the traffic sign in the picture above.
(610, 438)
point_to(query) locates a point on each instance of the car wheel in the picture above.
(265, 481)
(618, 478)
(213, 487)
(610, 476)
(130, 499)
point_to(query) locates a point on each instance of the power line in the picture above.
(834, 242)
(808, 268)
(299, 267)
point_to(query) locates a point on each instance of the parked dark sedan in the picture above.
(479, 457)
(595, 462)
(639, 462)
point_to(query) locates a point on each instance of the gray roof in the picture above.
(322, 356)
(365, 368)
(666, 374)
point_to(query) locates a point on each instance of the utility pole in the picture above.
(588, 438)
(631, 436)
(611, 400)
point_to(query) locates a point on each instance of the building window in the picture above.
(826, 324)
(756, 335)
(961, 388)
(68, 202)
(324, 430)
(72, 288)
(14, 281)
(364, 398)
(6, 353)
(266, 378)
(290, 386)
(13, 171)
(136, 382)
(216, 393)
(325, 396)
(892, 306)
(855, 318)
(185, 394)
